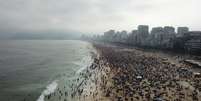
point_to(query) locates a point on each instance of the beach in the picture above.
(129, 74)
(119, 73)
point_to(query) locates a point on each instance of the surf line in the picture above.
(49, 90)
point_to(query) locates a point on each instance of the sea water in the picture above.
(32, 69)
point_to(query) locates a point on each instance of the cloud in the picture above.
(96, 16)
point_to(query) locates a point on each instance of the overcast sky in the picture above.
(96, 16)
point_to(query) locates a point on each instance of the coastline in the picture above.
(121, 73)
(128, 74)
(65, 84)
(90, 88)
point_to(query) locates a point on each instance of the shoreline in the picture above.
(128, 74)
(67, 85)
(89, 88)
(134, 75)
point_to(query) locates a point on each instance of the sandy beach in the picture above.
(129, 74)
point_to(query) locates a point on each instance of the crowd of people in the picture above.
(123, 74)
(139, 76)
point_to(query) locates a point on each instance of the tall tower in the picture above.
(182, 30)
(143, 33)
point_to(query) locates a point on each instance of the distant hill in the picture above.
(42, 36)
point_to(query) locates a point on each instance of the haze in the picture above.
(96, 16)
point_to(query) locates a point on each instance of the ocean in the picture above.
(31, 69)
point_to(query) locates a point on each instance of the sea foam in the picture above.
(49, 89)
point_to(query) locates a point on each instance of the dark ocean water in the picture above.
(27, 67)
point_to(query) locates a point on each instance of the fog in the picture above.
(95, 16)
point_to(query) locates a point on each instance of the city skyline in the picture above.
(176, 30)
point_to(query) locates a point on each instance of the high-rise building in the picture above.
(192, 42)
(157, 36)
(108, 36)
(124, 36)
(143, 30)
(168, 37)
(143, 33)
(182, 30)
(169, 30)
(132, 37)
(157, 30)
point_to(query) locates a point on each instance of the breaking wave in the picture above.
(49, 89)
